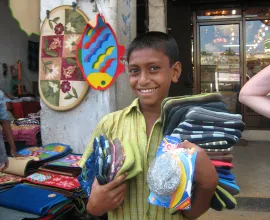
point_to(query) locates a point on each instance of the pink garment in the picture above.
(25, 133)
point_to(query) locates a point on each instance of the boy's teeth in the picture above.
(147, 90)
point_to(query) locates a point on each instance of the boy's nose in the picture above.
(144, 79)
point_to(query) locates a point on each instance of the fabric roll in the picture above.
(229, 177)
(194, 128)
(218, 151)
(199, 113)
(215, 145)
(171, 102)
(177, 114)
(195, 138)
(226, 197)
(225, 165)
(232, 188)
(217, 203)
(224, 158)
(240, 125)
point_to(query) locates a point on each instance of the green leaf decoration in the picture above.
(56, 19)
(68, 96)
(51, 24)
(80, 55)
(51, 53)
(79, 73)
(71, 61)
(44, 69)
(46, 43)
(48, 63)
(75, 92)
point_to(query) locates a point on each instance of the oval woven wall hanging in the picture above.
(62, 85)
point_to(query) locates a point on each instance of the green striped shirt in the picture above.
(129, 125)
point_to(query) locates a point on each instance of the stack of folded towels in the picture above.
(205, 121)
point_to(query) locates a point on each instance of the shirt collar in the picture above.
(134, 105)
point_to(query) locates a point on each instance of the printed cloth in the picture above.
(25, 133)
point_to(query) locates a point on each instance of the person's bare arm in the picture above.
(254, 93)
(205, 179)
(8, 132)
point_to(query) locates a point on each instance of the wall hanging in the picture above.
(61, 83)
(99, 54)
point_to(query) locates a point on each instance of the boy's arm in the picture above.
(206, 180)
(254, 92)
(8, 132)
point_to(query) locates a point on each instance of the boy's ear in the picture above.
(176, 70)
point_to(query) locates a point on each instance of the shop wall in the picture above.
(13, 47)
(75, 126)
(179, 26)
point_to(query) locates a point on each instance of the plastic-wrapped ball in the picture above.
(163, 177)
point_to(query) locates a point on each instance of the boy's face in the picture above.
(150, 75)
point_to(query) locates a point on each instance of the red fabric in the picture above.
(22, 109)
(17, 110)
(217, 163)
(30, 107)
(54, 180)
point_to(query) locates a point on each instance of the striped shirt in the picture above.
(129, 125)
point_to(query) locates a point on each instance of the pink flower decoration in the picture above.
(65, 86)
(59, 28)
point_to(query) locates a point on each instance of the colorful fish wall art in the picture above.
(99, 54)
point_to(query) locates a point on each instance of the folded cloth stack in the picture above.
(108, 160)
(44, 204)
(205, 121)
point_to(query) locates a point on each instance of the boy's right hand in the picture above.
(104, 198)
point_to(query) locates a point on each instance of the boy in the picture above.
(8, 132)
(152, 64)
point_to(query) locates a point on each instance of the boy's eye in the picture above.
(154, 68)
(133, 71)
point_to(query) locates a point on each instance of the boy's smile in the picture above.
(150, 75)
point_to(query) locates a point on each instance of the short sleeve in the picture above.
(101, 128)
(3, 109)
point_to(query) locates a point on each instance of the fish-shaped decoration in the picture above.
(99, 54)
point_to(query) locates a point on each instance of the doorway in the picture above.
(219, 56)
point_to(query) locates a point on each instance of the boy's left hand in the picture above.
(206, 180)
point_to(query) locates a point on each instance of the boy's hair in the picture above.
(156, 40)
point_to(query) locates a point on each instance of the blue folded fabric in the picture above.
(229, 177)
(232, 188)
(87, 176)
(229, 181)
(30, 199)
(223, 171)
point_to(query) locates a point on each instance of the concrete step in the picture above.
(253, 204)
(235, 215)
(252, 169)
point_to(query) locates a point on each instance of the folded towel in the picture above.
(232, 188)
(226, 197)
(199, 113)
